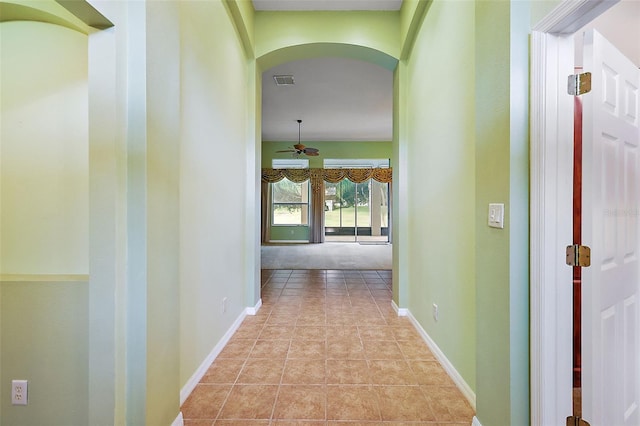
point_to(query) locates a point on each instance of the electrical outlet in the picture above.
(19, 392)
(224, 305)
(435, 312)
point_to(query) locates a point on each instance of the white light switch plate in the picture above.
(496, 215)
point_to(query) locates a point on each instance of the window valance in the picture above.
(329, 175)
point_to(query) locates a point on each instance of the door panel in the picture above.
(610, 318)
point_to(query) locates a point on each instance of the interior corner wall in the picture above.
(163, 86)
(440, 119)
(213, 179)
(502, 169)
(44, 222)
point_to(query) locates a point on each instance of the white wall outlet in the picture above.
(19, 392)
(496, 215)
(224, 305)
(435, 312)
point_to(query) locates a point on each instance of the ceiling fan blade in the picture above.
(312, 154)
(308, 150)
(288, 150)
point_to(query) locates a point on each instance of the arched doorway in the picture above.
(314, 52)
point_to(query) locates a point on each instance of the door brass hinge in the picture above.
(578, 255)
(579, 84)
(576, 421)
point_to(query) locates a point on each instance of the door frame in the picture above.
(552, 60)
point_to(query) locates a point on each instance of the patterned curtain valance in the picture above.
(294, 175)
(328, 175)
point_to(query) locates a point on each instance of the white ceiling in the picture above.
(337, 99)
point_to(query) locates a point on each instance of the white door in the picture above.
(611, 209)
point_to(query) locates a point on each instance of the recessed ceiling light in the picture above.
(284, 80)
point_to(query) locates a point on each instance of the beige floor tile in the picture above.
(343, 332)
(371, 320)
(326, 348)
(248, 331)
(382, 349)
(373, 332)
(415, 349)
(308, 349)
(391, 372)
(223, 370)
(404, 403)
(249, 402)
(430, 373)
(311, 332)
(448, 403)
(205, 401)
(312, 319)
(259, 318)
(259, 370)
(304, 371)
(347, 371)
(344, 348)
(277, 332)
(197, 422)
(406, 332)
(301, 402)
(352, 423)
(270, 349)
(352, 403)
(237, 348)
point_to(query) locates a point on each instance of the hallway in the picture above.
(326, 348)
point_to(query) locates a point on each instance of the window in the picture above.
(290, 203)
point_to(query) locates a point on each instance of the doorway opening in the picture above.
(356, 212)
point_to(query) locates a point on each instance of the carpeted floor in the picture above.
(327, 256)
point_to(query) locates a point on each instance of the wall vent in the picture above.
(284, 80)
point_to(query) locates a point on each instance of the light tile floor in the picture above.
(326, 348)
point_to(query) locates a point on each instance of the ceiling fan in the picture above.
(299, 149)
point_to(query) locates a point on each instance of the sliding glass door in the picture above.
(356, 211)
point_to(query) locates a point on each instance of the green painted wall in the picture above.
(163, 288)
(378, 31)
(44, 220)
(346, 150)
(44, 166)
(502, 284)
(441, 181)
(45, 341)
(214, 103)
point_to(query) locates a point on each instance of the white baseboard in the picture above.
(202, 369)
(254, 310)
(475, 422)
(179, 421)
(402, 312)
(446, 364)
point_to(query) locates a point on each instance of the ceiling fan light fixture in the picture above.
(299, 148)
(284, 80)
